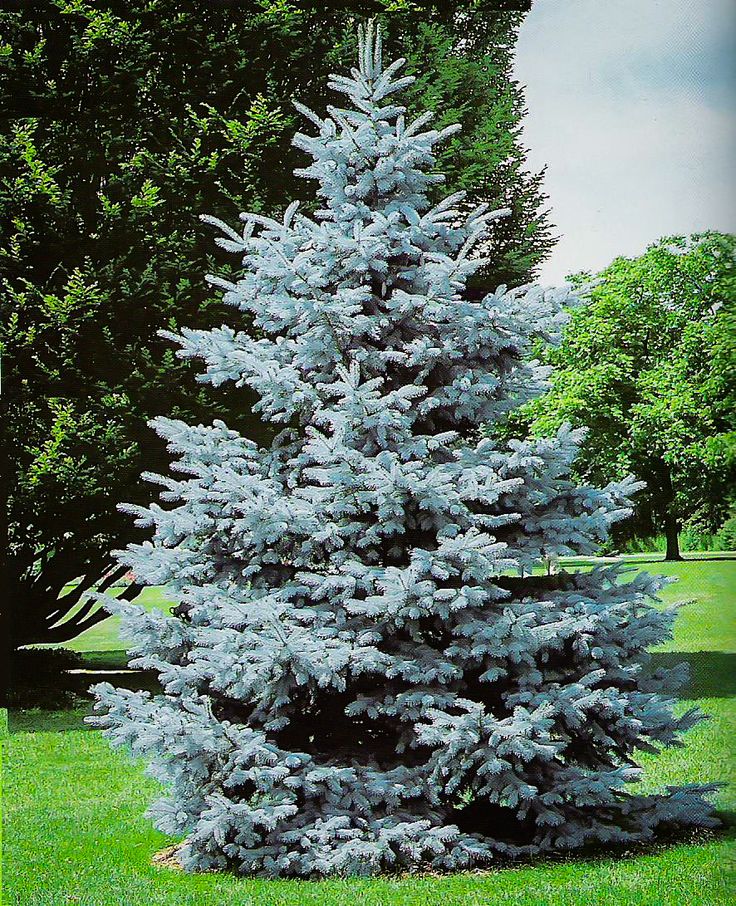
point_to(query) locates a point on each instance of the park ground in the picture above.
(74, 831)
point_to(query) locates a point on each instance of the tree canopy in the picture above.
(646, 366)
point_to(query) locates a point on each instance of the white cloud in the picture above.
(631, 107)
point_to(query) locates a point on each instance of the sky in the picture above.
(632, 109)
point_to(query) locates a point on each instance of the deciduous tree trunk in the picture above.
(668, 509)
(672, 534)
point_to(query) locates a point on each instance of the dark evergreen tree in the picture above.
(122, 122)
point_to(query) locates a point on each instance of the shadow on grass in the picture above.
(40, 720)
(37, 721)
(95, 667)
(662, 841)
(712, 673)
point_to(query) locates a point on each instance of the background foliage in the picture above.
(123, 122)
(646, 365)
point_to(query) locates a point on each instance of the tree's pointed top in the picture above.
(369, 49)
(369, 82)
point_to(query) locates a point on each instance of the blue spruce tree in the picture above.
(362, 672)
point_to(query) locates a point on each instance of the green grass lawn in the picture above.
(74, 830)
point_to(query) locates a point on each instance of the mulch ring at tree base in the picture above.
(166, 858)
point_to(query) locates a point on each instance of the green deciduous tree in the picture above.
(122, 123)
(647, 367)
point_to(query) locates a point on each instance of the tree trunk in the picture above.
(669, 511)
(7, 585)
(7, 652)
(672, 534)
